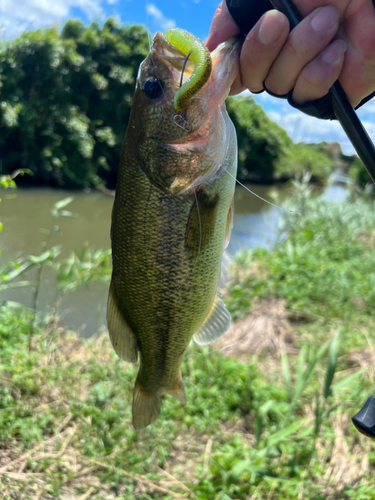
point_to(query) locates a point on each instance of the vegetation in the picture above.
(268, 422)
(65, 103)
(65, 425)
(269, 405)
(265, 151)
(305, 158)
(261, 143)
(358, 173)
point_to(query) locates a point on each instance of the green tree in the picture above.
(261, 143)
(299, 158)
(65, 100)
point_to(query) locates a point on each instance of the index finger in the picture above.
(222, 27)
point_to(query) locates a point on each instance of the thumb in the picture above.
(222, 27)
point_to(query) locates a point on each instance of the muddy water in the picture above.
(26, 216)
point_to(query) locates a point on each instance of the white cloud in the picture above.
(111, 2)
(368, 108)
(32, 14)
(305, 128)
(159, 18)
(370, 127)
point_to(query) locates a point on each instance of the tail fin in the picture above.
(146, 407)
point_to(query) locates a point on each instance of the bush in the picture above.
(261, 143)
(66, 99)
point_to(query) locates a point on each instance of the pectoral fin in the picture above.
(215, 325)
(120, 333)
(201, 223)
(229, 226)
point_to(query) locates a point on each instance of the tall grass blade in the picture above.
(347, 380)
(275, 439)
(286, 374)
(300, 372)
(331, 365)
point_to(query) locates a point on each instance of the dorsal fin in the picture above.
(216, 324)
(120, 333)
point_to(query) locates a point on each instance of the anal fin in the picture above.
(120, 333)
(216, 324)
(178, 392)
(146, 406)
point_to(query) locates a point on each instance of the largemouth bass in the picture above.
(171, 222)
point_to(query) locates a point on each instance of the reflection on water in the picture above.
(26, 215)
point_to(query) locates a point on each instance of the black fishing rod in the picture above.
(246, 13)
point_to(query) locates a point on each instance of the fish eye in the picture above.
(153, 88)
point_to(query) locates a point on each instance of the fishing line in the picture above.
(183, 68)
(182, 118)
(149, 36)
(266, 201)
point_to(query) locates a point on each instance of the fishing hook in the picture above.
(180, 120)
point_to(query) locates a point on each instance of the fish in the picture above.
(171, 222)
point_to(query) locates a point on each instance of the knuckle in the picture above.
(310, 79)
(253, 84)
(277, 86)
(253, 72)
(298, 46)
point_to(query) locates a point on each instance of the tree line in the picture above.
(65, 100)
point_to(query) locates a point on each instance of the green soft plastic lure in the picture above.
(187, 43)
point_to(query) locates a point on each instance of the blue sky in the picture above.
(192, 15)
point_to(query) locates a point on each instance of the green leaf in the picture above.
(56, 211)
(246, 465)
(18, 284)
(6, 182)
(275, 439)
(45, 256)
(347, 380)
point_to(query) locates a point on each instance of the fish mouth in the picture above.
(225, 65)
(168, 54)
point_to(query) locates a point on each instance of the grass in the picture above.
(270, 421)
(325, 269)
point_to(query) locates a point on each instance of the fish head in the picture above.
(179, 150)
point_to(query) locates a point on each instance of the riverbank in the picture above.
(27, 221)
(65, 413)
(269, 406)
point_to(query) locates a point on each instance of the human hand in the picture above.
(335, 40)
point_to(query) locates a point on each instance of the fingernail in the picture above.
(334, 51)
(271, 27)
(325, 19)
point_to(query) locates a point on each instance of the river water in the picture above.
(26, 218)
